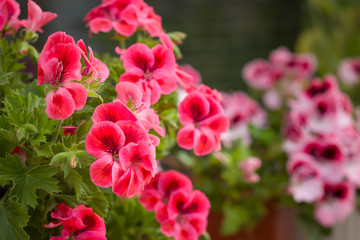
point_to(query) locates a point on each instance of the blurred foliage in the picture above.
(331, 32)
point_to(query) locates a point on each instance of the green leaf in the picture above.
(95, 95)
(99, 204)
(12, 221)
(25, 181)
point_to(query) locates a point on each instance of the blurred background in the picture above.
(223, 35)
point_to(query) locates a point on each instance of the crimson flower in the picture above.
(78, 224)
(154, 67)
(59, 64)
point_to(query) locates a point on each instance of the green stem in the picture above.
(122, 44)
(4, 198)
(58, 130)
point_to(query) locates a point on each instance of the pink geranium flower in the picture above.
(187, 215)
(9, 13)
(59, 64)
(249, 166)
(36, 18)
(240, 116)
(125, 153)
(349, 71)
(154, 67)
(78, 223)
(112, 15)
(306, 183)
(161, 187)
(204, 122)
(93, 65)
(336, 205)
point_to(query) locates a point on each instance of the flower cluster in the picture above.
(10, 11)
(181, 211)
(349, 71)
(60, 65)
(241, 110)
(125, 17)
(280, 76)
(78, 223)
(124, 150)
(249, 166)
(204, 120)
(322, 144)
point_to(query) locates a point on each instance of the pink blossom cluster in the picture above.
(10, 11)
(204, 120)
(124, 150)
(241, 110)
(349, 71)
(249, 166)
(60, 65)
(181, 211)
(125, 17)
(279, 76)
(322, 143)
(77, 224)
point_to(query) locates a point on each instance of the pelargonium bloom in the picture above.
(187, 215)
(161, 187)
(249, 166)
(336, 205)
(93, 65)
(125, 153)
(124, 16)
(240, 116)
(78, 223)
(9, 13)
(306, 182)
(112, 15)
(204, 121)
(36, 18)
(59, 64)
(154, 67)
(349, 71)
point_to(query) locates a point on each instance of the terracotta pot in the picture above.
(278, 224)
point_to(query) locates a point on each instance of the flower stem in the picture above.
(58, 130)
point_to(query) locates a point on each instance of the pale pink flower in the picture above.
(336, 205)
(36, 18)
(349, 70)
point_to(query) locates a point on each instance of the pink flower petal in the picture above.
(59, 104)
(204, 142)
(78, 93)
(113, 112)
(101, 171)
(104, 139)
(185, 137)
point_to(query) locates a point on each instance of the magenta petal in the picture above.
(56, 38)
(100, 24)
(185, 137)
(204, 142)
(195, 107)
(104, 139)
(126, 91)
(164, 59)
(113, 112)
(138, 56)
(172, 181)
(133, 132)
(57, 238)
(168, 228)
(101, 171)
(167, 82)
(149, 199)
(197, 203)
(124, 28)
(59, 104)
(91, 235)
(161, 212)
(121, 181)
(78, 93)
(218, 123)
(52, 224)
